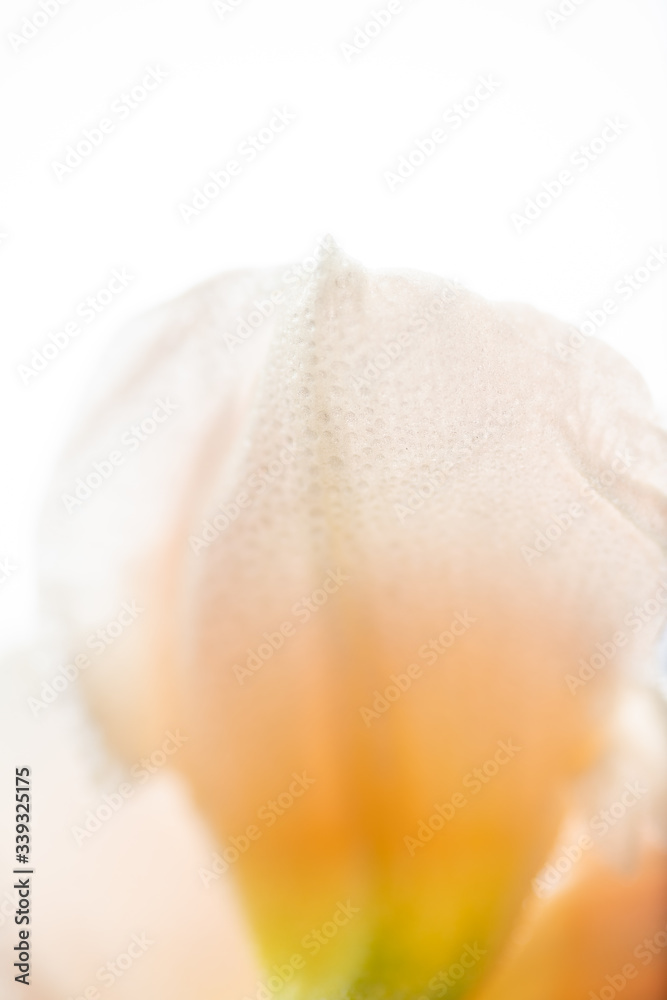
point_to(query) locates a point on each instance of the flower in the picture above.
(401, 559)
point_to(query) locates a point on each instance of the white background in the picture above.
(61, 239)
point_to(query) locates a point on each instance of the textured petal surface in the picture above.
(378, 547)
